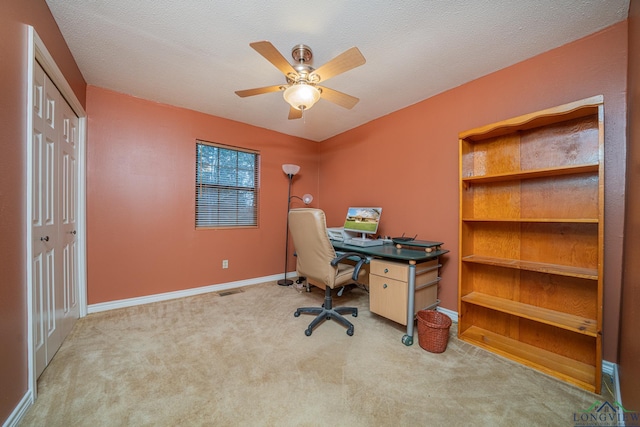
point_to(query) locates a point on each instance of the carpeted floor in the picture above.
(243, 359)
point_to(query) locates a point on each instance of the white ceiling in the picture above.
(195, 53)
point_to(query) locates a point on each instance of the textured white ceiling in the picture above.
(195, 53)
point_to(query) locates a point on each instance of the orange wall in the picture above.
(15, 15)
(629, 368)
(407, 161)
(141, 238)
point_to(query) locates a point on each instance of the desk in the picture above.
(411, 256)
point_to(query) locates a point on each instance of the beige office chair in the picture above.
(317, 261)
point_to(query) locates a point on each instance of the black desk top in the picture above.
(389, 251)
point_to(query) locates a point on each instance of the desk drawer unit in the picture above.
(388, 288)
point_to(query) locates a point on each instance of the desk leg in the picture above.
(411, 302)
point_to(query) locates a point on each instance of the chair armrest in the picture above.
(356, 271)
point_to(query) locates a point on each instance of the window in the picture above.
(226, 186)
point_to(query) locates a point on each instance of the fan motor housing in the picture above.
(302, 53)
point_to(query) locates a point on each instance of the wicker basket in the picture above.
(433, 330)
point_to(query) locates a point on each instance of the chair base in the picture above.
(327, 312)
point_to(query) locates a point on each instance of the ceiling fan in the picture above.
(302, 88)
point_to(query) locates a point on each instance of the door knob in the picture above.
(44, 239)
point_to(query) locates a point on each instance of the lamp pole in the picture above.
(285, 281)
(290, 171)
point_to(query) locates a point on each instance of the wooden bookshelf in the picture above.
(531, 240)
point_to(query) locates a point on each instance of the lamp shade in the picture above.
(301, 96)
(307, 198)
(290, 169)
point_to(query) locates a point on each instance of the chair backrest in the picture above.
(314, 251)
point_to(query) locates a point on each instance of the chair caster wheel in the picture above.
(355, 314)
(296, 314)
(407, 340)
(350, 332)
(307, 332)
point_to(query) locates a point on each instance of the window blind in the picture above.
(226, 186)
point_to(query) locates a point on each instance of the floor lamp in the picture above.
(290, 171)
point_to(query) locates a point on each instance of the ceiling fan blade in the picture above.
(258, 91)
(346, 61)
(342, 99)
(271, 54)
(294, 113)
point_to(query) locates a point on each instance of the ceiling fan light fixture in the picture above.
(301, 91)
(301, 96)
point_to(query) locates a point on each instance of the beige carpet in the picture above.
(243, 359)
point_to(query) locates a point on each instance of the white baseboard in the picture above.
(130, 302)
(19, 411)
(452, 314)
(610, 368)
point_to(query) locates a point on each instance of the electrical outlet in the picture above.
(225, 263)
